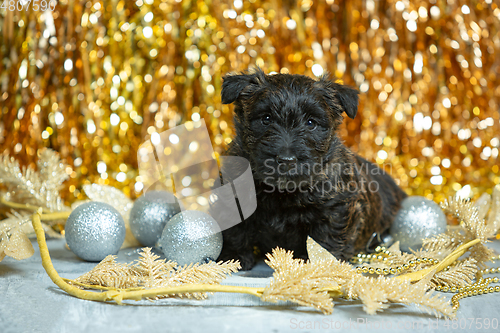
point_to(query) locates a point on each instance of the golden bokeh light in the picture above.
(94, 79)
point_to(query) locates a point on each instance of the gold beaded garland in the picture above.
(382, 255)
(479, 287)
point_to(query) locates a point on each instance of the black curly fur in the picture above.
(337, 204)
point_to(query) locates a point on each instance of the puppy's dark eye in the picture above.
(266, 119)
(312, 124)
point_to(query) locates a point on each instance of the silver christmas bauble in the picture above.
(94, 230)
(190, 237)
(417, 219)
(150, 214)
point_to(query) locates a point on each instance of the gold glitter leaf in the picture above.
(316, 252)
(458, 275)
(13, 224)
(111, 196)
(18, 246)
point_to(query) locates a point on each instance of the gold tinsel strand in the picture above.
(93, 79)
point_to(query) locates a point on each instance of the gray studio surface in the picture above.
(30, 302)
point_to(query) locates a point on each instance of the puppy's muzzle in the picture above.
(286, 161)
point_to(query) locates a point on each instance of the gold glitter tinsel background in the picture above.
(94, 79)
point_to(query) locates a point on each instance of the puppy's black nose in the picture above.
(286, 159)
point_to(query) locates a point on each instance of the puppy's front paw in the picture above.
(247, 260)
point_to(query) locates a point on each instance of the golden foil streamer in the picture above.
(95, 79)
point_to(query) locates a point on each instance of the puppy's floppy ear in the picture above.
(234, 84)
(335, 93)
(348, 97)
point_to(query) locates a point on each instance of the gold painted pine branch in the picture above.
(28, 189)
(313, 283)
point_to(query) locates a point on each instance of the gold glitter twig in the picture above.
(118, 295)
(55, 216)
(16, 205)
(317, 292)
(418, 275)
(46, 216)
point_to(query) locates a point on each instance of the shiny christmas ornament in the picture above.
(191, 236)
(417, 219)
(94, 230)
(149, 215)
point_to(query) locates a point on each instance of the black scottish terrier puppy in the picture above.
(307, 182)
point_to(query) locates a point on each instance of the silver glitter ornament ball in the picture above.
(417, 219)
(190, 237)
(150, 214)
(94, 230)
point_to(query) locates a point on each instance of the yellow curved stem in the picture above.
(55, 216)
(18, 205)
(118, 295)
(45, 216)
